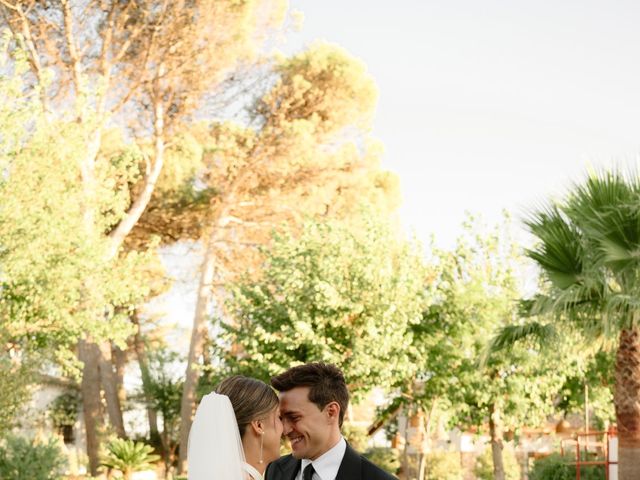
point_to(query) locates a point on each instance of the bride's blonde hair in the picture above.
(250, 398)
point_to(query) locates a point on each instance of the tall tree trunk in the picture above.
(405, 451)
(427, 435)
(206, 355)
(109, 385)
(138, 345)
(91, 404)
(120, 359)
(88, 351)
(203, 304)
(495, 430)
(166, 449)
(117, 236)
(627, 402)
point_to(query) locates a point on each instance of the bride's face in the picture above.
(272, 436)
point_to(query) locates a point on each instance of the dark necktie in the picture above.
(308, 472)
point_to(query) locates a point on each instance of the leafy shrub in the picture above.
(443, 466)
(63, 412)
(64, 409)
(14, 391)
(552, 467)
(484, 465)
(21, 458)
(128, 456)
(386, 458)
(557, 467)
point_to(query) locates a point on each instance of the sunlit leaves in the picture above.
(56, 282)
(342, 295)
(472, 291)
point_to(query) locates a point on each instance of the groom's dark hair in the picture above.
(325, 381)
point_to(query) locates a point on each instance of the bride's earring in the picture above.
(261, 444)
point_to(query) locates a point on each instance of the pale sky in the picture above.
(490, 105)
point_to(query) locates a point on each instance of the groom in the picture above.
(313, 401)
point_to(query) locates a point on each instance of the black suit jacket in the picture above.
(353, 467)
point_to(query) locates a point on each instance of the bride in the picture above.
(236, 431)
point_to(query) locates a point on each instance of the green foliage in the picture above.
(484, 465)
(15, 380)
(509, 335)
(21, 458)
(17, 109)
(118, 168)
(472, 291)
(330, 294)
(324, 80)
(443, 466)
(552, 467)
(58, 283)
(128, 456)
(64, 409)
(386, 458)
(557, 467)
(584, 364)
(597, 373)
(165, 388)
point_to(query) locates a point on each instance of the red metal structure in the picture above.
(587, 451)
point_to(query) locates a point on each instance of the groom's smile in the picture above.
(295, 442)
(305, 425)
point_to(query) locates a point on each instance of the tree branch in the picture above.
(71, 46)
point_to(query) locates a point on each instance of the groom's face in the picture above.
(308, 428)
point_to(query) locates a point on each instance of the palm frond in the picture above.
(582, 297)
(606, 209)
(579, 298)
(560, 252)
(589, 252)
(509, 336)
(600, 191)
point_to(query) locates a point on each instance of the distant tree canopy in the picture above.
(471, 292)
(335, 293)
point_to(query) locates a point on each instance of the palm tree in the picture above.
(128, 457)
(589, 255)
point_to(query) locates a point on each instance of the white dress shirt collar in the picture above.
(327, 464)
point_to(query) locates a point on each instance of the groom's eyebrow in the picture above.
(289, 413)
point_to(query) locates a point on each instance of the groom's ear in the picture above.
(333, 411)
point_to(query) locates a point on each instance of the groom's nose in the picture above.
(286, 427)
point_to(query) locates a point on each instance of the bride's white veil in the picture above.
(215, 449)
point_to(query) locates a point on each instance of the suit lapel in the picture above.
(285, 468)
(290, 470)
(350, 468)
